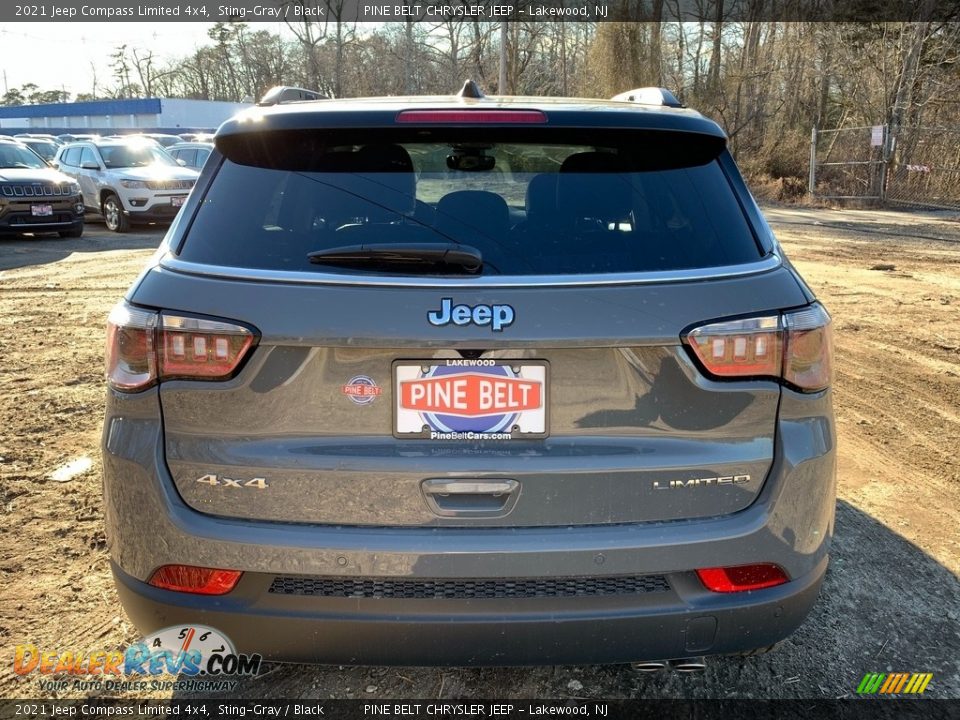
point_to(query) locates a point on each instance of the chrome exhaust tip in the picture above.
(649, 666)
(689, 665)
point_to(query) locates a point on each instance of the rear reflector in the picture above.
(196, 580)
(144, 347)
(795, 347)
(742, 578)
(477, 117)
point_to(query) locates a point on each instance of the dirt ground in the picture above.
(892, 596)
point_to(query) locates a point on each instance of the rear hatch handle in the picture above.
(476, 498)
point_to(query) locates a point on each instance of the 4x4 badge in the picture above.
(496, 316)
(214, 480)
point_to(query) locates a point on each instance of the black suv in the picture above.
(35, 198)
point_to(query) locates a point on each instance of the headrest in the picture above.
(477, 210)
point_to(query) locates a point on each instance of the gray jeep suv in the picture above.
(467, 380)
(35, 198)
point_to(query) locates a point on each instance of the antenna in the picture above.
(649, 96)
(471, 90)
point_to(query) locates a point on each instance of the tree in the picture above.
(310, 35)
(13, 96)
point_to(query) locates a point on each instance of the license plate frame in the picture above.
(41, 210)
(507, 377)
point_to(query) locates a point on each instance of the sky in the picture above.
(67, 55)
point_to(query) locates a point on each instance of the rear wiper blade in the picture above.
(463, 257)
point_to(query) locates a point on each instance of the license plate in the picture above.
(41, 210)
(470, 399)
(178, 200)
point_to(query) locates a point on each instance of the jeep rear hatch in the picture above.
(550, 388)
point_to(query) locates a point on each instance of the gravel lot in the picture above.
(892, 596)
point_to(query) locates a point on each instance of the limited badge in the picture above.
(362, 389)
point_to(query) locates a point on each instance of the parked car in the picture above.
(47, 149)
(37, 136)
(192, 154)
(35, 198)
(196, 137)
(127, 181)
(141, 138)
(164, 139)
(469, 380)
(67, 137)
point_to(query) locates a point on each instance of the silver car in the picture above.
(471, 381)
(127, 181)
(191, 154)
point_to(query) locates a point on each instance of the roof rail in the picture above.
(283, 94)
(649, 96)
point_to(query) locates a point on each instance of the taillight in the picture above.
(131, 358)
(739, 347)
(795, 347)
(144, 347)
(198, 348)
(808, 356)
(196, 580)
(498, 117)
(741, 578)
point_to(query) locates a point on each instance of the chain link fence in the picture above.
(915, 166)
(847, 163)
(924, 167)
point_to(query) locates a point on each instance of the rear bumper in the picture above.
(684, 621)
(789, 524)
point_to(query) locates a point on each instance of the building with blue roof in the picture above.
(108, 116)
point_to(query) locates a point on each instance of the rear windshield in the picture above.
(529, 208)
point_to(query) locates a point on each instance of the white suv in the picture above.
(127, 181)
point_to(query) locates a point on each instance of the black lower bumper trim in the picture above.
(477, 632)
(48, 228)
(467, 588)
(157, 213)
